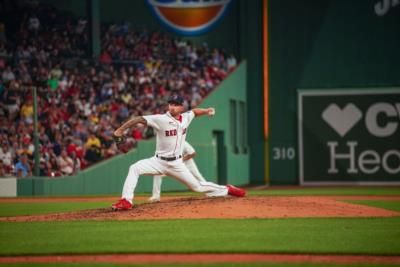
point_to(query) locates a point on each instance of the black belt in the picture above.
(168, 159)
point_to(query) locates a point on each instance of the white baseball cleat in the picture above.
(154, 199)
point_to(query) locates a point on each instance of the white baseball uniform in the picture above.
(171, 135)
(190, 164)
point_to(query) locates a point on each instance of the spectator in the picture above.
(11, 102)
(65, 163)
(33, 24)
(6, 157)
(23, 168)
(27, 111)
(93, 141)
(25, 146)
(93, 149)
(76, 163)
(8, 75)
(57, 145)
(2, 169)
(80, 27)
(231, 62)
(105, 57)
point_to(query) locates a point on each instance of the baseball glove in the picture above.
(121, 143)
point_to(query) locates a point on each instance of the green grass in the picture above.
(194, 265)
(329, 191)
(306, 235)
(36, 208)
(19, 209)
(383, 204)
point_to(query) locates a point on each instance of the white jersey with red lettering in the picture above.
(171, 135)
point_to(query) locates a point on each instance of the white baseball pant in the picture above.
(176, 169)
(192, 167)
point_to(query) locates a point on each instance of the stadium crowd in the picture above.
(80, 99)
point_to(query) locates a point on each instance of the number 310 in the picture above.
(282, 153)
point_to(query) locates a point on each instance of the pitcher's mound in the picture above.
(228, 207)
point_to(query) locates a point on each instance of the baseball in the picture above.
(211, 111)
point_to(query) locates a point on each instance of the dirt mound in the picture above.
(228, 207)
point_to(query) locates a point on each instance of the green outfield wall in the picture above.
(327, 46)
(220, 142)
(225, 133)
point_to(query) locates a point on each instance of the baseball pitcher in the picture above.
(170, 128)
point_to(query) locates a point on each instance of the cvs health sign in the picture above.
(189, 17)
(349, 136)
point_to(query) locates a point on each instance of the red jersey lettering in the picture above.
(171, 132)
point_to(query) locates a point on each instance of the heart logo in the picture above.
(342, 120)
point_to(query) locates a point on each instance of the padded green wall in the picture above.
(201, 131)
(250, 36)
